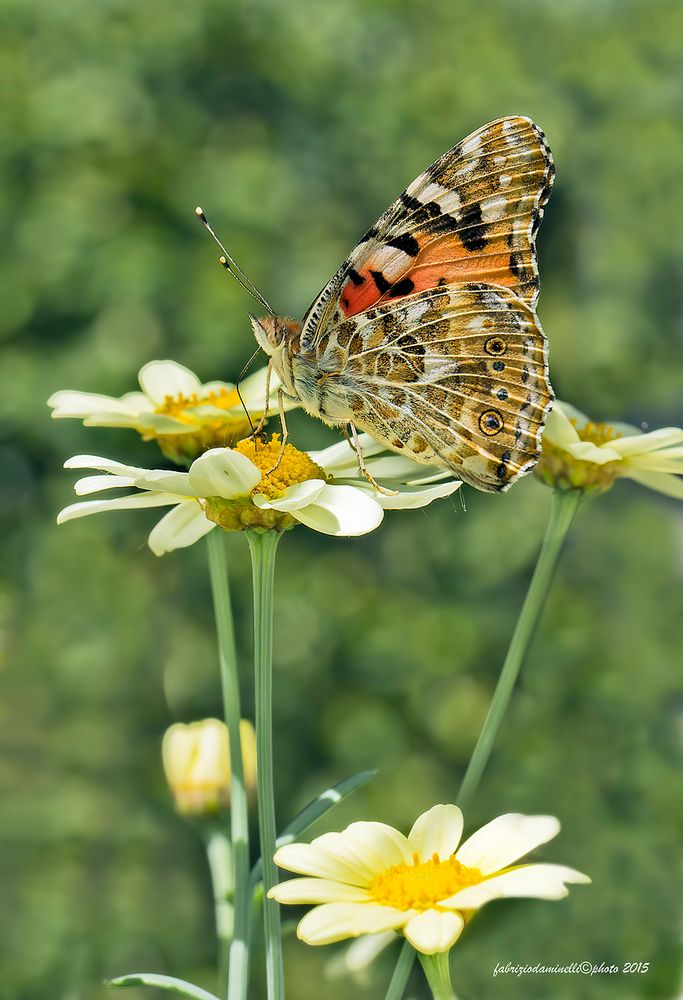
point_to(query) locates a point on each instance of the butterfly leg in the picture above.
(283, 424)
(353, 440)
(264, 416)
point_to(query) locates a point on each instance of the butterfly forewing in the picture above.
(472, 215)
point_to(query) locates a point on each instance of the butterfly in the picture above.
(427, 337)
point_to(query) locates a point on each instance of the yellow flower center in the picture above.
(599, 434)
(175, 406)
(204, 430)
(281, 467)
(422, 885)
(558, 468)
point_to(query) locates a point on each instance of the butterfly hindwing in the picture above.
(454, 375)
(472, 215)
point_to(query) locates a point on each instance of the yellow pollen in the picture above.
(176, 406)
(422, 885)
(597, 433)
(294, 467)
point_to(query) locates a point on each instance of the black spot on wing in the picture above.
(382, 284)
(356, 278)
(472, 230)
(420, 211)
(406, 244)
(370, 235)
(410, 203)
(402, 287)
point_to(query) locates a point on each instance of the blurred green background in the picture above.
(294, 124)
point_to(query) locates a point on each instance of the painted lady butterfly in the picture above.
(426, 337)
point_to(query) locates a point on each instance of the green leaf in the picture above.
(316, 808)
(322, 804)
(163, 983)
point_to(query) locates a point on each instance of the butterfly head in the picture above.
(279, 338)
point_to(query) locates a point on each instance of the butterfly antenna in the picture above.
(231, 265)
(237, 386)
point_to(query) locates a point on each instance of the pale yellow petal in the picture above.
(318, 890)
(311, 859)
(336, 921)
(505, 839)
(389, 844)
(437, 831)
(531, 881)
(433, 931)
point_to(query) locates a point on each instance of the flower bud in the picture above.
(196, 761)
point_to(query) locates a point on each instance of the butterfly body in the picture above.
(426, 337)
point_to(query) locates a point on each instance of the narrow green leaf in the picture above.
(322, 804)
(315, 809)
(163, 983)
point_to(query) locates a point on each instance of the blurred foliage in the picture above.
(293, 124)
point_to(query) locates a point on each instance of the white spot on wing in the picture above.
(505, 179)
(476, 324)
(473, 143)
(493, 208)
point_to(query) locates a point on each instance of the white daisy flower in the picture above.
(196, 760)
(185, 416)
(370, 878)
(257, 484)
(580, 454)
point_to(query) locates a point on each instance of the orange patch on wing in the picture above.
(357, 298)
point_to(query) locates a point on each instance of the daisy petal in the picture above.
(313, 859)
(336, 921)
(391, 845)
(120, 503)
(533, 881)
(221, 472)
(182, 526)
(505, 839)
(362, 952)
(68, 403)
(162, 423)
(433, 931)
(253, 388)
(665, 460)
(643, 443)
(159, 379)
(558, 427)
(95, 484)
(341, 510)
(341, 458)
(317, 890)
(356, 853)
(437, 831)
(587, 451)
(412, 497)
(294, 497)
(104, 418)
(573, 414)
(661, 482)
(103, 465)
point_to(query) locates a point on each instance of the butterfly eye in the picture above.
(491, 422)
(495, 345)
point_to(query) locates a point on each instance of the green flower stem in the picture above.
(239, 813)
(263, 546)
(219, 854)
(564, 507)
(438, 972)
(565, 504)
(404, 967)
